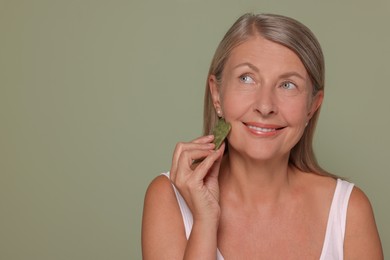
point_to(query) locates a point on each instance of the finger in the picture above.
(182, 147)
(187, 157)
(221, 149)
(198, 161)
(204, 139)
(208, 163)
(214, 171)
(184, 168)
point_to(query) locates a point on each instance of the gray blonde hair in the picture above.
(293, 35)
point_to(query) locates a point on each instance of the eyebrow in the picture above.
(284, 75)
(292, 74)
(247, 64)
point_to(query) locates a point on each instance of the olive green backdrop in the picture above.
(95, 94)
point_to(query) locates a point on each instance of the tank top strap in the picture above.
(335, 230)
(185, 211)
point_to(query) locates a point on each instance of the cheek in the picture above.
(298, 118)
(296, 114)
(235, 105)
(297, 108)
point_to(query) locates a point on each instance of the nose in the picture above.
(265, 103)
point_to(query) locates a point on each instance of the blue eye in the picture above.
(246, 79)
(287, 88)
(288, 85)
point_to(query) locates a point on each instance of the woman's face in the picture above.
(266, 95)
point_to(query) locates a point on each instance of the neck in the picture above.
(254, 181)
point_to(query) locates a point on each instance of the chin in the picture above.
(255, 153)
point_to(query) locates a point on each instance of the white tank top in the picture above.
(332, 248)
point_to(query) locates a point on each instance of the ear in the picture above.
(215, 92)
(315, 104)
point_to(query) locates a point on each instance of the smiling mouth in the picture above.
(263, 129)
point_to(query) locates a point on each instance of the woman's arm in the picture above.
(361, 236)
(163, 234)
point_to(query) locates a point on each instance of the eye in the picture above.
(288, 88)
(288, 85)
(246, 79)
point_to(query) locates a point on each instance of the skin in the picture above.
(252, 190)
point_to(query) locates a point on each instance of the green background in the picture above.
(94, 96)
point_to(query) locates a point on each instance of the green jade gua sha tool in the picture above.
(220, 132)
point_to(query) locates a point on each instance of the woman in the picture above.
(261, 195)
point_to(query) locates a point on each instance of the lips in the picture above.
(263, 129)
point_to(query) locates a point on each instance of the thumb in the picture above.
(210, 165)
(214, 171)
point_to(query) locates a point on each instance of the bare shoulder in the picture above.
(163, 235)
(359, 203)
(318, 186)
(361, 236)
(360, 214)
(159, 188)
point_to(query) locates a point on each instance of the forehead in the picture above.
(267, 56)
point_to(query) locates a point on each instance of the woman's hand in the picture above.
(198, 182)
(162, 224)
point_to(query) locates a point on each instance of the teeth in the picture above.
(260, 129)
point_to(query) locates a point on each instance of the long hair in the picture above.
(293, 35)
